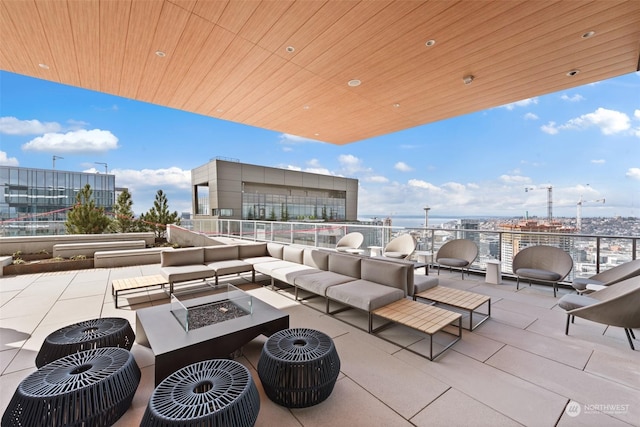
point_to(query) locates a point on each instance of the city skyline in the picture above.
(584, 143)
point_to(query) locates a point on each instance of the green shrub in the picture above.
(78, 257)
(19, 261)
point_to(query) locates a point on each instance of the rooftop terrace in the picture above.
(518, 368)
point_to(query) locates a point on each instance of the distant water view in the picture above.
(412, 221)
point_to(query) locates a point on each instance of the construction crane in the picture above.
(579, 212)
(549, 199)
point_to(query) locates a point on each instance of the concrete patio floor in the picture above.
(518, 368)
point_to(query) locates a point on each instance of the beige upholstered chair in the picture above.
(349, 241)
(457, 253)
(546, 264)
(609, 277)
(615, 305)
(400, 247)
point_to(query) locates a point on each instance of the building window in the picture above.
(222, 212)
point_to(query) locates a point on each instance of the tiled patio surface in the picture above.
(518, 368)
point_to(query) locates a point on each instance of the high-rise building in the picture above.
(546, 233)
(47, 194)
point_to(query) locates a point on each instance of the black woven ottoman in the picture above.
(212, 393)
(298, 367)
(95, 333)
(90, 388)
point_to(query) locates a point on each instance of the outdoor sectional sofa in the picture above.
(355, 281)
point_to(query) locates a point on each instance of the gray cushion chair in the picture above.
(400, 247)
(615, 305)
(458, 253)
(609, 277)
(546, 264)
(350, 242)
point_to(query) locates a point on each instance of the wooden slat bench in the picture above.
(424, 318)
(135, 283)
(457, 298)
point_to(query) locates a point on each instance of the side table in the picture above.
(494, 273)
(216, 392)
(298, 367)
(90, 334)
(90, 388)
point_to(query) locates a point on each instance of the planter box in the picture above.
(44, 267)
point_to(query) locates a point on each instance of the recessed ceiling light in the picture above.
(219, 110)
(160, 53)
(572, 73)
(305, 107)
(430, 42)
(290, 49)
(316, 134)
(396, 105)
(43, 66)
(354, 83)
(468, 79)
(588, 34)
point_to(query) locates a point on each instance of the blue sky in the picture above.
(583, 142)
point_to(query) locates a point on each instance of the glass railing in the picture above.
(591, 253)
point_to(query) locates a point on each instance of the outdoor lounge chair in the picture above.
(350, 242)
(400, 247)
(457, 253)
(615, 305)
(609, 277)
(546, 264)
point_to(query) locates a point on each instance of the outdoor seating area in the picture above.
(483, 369)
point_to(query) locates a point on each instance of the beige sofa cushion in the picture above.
(275, 250)
(386, 273)
(293, 254)
(252, 250)
(184, 256)
(344, 264)
(316, 259)
(364, 294)
(220, 253)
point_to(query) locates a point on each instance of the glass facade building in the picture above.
(232, 190)
(47, 195)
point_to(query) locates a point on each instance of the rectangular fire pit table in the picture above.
(423, 318)
(457, 298)
(175, 348)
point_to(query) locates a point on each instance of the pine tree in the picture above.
(85, 217)
(158, 216)
(124, 221)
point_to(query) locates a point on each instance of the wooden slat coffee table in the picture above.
(135, 283)
(424, 318)
(457, 298)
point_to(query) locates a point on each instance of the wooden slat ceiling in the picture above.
(230, 59)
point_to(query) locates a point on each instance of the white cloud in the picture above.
(575, 98)
(287, 138)
(8, 161)
(530, 116)
(422, 184)
(523, 103)
(402, 167)
(14, 126)
(151, 178)
(75, 142)
(351, 164)
(598, 161)
(377, 179)
(549, 128)
(633, 173)
(293, 168)
(609, 121)
(636, 114)
(515, 179)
